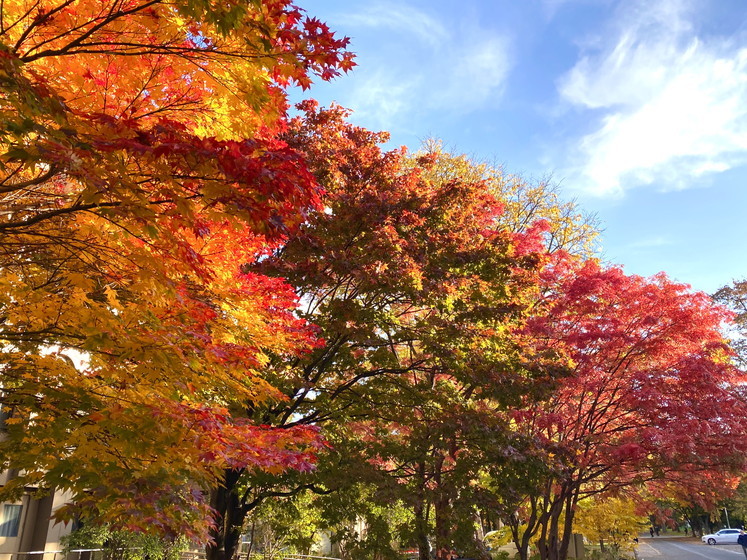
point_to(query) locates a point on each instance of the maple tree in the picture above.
(650, 393)
(140, 170)
(734, 296)
(697, 497)
(389, 272)
(524, 203)
(411, 276)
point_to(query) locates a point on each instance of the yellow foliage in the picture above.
(609, 520)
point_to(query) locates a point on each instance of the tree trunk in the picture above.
(532, 525)
(570, 498)
(549, 544)
(421, 516)
(696, 524)
(424, 549)
(442, 513)
(521, 541)
(553, 543)
(441, 509)
(230, 516)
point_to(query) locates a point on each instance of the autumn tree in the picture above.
(650, 394)
(734, 296)
(411, 275)
(697, 497)
(140, 169)
(568, 227)
(392, 273)
(406, 273)
(610, 521)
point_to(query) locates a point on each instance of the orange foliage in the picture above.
(139, 173)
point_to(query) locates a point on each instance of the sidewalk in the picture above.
(663, 535)
(644, 549)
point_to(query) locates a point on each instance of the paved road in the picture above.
(663, 548)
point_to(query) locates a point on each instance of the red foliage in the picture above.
(651, 385)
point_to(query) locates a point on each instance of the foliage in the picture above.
(290, 524)
(414, 283)
(413, 273)
(734, 297)
(611, 521)
(405, 279)
(499, 537)
(123, 545)
(139, 170)
(698, 502)
(362, 525)
(738, 502)
(523, 202)
(650, 395)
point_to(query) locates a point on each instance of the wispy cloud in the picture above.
(475, 72)
(673, 105)
(383, 98)
(458, 66)
(402, 18)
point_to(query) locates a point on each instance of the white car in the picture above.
(724, 536)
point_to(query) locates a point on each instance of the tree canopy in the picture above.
(140, 170)
(200, 295)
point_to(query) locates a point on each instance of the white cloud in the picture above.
(400, 17)
(382, 98)
(674, 105)
(474, 73)
(455, 68)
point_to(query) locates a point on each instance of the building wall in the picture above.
(36, 532)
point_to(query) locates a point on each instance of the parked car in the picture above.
(724, 536)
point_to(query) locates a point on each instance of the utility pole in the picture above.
(727, 519)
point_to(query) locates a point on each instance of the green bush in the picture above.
(123, 545)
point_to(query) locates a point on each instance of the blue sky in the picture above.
(637, 108)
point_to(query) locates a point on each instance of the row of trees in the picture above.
(512, 373)
(206, 304)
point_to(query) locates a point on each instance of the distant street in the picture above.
(679, 548)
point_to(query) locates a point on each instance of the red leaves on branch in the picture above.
(650, 386)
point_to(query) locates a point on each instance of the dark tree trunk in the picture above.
(570, 498)
(533, 524)
(421, 529)
(549, 544)
(695, 525)
(442, 513)
(421, 516)
(230, 516)
(521, 541)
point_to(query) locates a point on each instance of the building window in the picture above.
(10, 520)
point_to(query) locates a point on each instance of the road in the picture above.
(678, 548)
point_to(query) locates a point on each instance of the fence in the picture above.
(78, 554)
(278, 555)
(101, 554)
